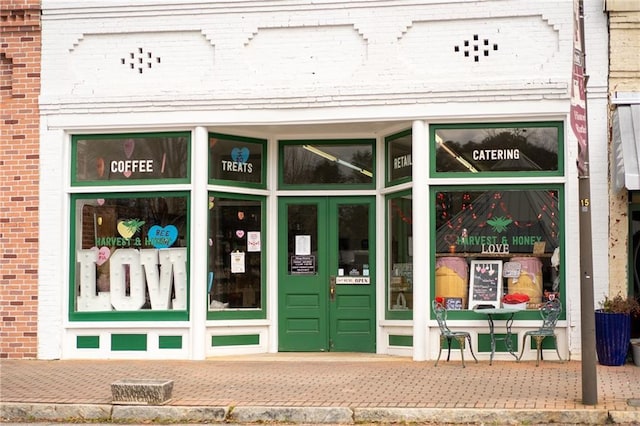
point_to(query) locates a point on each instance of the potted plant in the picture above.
(613, 328)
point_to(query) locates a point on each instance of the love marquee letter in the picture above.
(157, 270)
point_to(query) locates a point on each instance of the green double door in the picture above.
(326, 274)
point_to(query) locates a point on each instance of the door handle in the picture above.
(332, 288)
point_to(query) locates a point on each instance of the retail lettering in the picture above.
(122, 166)
(131, 272)
(496, 154)
(234, 166)
(402, 161)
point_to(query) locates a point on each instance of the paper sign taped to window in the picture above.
(237, 262)
(253, 241)
(303, 245)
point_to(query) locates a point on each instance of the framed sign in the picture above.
(511, 269)
(485, 283)
(453, 303)
(303, 265)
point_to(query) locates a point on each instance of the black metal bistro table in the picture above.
(508, 313)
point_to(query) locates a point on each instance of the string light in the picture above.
(468, 206)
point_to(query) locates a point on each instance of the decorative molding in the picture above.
(283, 99)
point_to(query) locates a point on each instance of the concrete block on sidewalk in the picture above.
(141, 391)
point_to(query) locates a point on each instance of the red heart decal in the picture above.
(239, 233)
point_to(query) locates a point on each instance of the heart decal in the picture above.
(451, 239)
(127, 173)
(240, 233)
(100, 166)
(126, 228)
(103, 255)
(240, 155)
(129, 144)
(100, 201)
(163, 237)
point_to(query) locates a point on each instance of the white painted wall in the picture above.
(317, 65)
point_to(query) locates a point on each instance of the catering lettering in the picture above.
(129, 166)
(496, 154)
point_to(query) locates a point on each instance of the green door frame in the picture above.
(312, 316)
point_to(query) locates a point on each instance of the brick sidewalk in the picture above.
(327, 380)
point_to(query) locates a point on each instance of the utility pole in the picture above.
(579, 125)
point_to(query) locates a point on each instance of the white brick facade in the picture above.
(291, 68)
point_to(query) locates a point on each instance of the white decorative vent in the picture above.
(140, 60)
(127, 64)
(476, 49)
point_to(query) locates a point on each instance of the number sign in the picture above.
(485, 283)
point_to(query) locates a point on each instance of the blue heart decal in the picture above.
(162, 237)
(240, 155)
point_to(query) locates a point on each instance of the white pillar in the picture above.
(53, 284)
(199, 242)
(421, 260)
(272, 246)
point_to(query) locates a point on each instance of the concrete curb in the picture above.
(340, 415)
(625, 417)
(485, 415)
(310, 415)
(167, 413)
(40, 411)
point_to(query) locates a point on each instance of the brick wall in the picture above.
(19, 169)
(624, 76)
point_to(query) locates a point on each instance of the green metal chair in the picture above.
(447, 335)
(550, 313)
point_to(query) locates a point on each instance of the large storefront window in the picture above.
(129, 250)
(500, 242)
(492, 242)
(130, 158)
(236, 160)
(399, 226)
(497, 148)
(130, 253)
(319, 163)
(400, 231)
(236, 253)
(399, 163)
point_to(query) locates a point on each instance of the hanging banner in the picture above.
(578, 110)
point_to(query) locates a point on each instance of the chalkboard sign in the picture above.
(485, 283)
